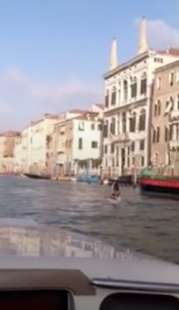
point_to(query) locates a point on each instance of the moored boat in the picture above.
(37, 176)
(90, 179)
(159, 183)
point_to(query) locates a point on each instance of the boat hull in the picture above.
(164, 186)
(36, 176)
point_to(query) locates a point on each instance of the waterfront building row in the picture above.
(130, 93)
(138, 125)
(61, 145)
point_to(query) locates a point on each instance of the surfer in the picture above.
(115, 190)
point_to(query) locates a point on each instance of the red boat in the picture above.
(151, 182)
(162, 184)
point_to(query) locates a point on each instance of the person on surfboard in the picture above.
(115, 190)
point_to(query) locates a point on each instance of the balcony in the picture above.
(122, 137)
(173, 144)
(174, 116)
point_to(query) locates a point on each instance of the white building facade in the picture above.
(33, 152)
(78, 145)
(128, 95)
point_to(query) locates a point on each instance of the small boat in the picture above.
(90, 179)
(37, 176)
(159, 183)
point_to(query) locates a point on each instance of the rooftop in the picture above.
(10, 133)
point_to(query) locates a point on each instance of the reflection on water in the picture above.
(21, 239)
(141, 224)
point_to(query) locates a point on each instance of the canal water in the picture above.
(143, 224)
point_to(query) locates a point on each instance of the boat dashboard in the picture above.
(73, 290)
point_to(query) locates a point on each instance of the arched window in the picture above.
(105, 130)
(142, 120)
(159, 107)
(171, 78)
(113, 126)
(132, 122)
(172, 103)
(166, 134)
(124, 122)
(134, 87)
(143, 86)
(158, 135)
(107, 99)
(155, 109)
(113, 98)
(154, 136)
(125, 90)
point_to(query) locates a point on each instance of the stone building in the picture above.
(128, 96)
(8, 141)
(34, 151)
(78, 144)
(165, 119)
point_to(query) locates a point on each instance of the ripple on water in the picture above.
(144, 224)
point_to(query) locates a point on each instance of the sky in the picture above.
(53, 53)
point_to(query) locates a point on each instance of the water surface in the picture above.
(144, 224)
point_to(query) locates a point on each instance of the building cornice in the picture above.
(126, 65)
(168, 66)
(132, 105)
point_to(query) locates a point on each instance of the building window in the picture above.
(166, 134)
(81, 126)
(158, 135)
(117, 156)
(100, 127)
(142, 161)
(171, 133)
(158, 82)
(125, 90)
(105, 130)
(143, 87)
(172, 103)
(105, 149)
(107, 99)
(112, 148)
(142, 145)
(94, 145)
(113, 99)
(142, 120)
(132, 123)
(133, 147)
(113, 126)
(159, 107)
(171, 78)
(154, 136)
(124, 122)
(134, 88)
(155, 110)
(92, 126)
(177, 76)
(80, 143)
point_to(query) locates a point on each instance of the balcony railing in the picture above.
(174, 116)
(122, 137)
(173, 144)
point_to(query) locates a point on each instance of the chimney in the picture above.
(113, 57)
(143, 42)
